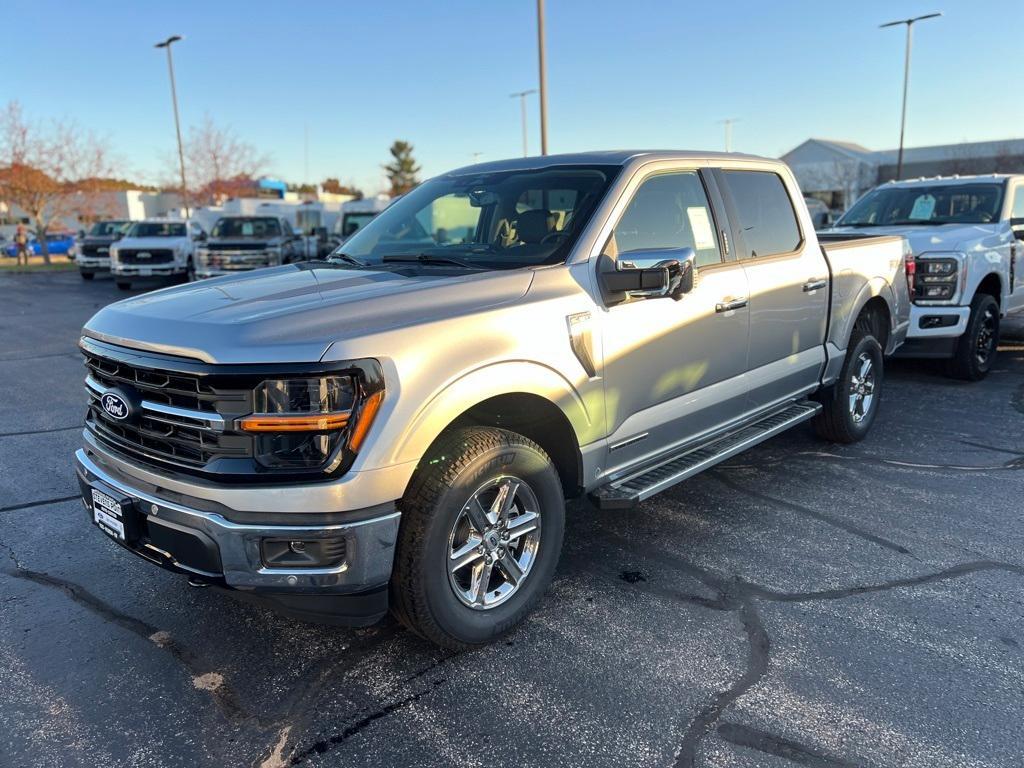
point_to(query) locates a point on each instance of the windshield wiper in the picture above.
(346, 258)
(427, 258)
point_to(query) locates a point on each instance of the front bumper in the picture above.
(131, 270)
(92, 264)
(212, 549)
(937, 322)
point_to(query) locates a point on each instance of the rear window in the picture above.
(765, 213)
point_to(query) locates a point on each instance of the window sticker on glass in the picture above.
(924, 207)
(700, 223)
(247, 229)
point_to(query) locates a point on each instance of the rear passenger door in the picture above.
(788, 283)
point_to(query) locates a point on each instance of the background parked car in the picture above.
(239, 243)
(94, 247)
(58, 244)
(820, 214)
(155, 248)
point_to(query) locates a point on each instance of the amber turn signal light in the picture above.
(324, 422)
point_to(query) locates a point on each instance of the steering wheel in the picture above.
(552, 236)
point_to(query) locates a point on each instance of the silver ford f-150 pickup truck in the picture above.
(404, 422)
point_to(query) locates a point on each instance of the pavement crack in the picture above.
(954, 572)
(325, 745)
(202, 676)
(812, 513)
(40, 431)
(42, 503)
(759, 646)
(769, 743)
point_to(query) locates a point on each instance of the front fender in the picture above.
(476, 386)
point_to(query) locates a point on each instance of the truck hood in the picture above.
(943, 237)
(151, 242)
(294, 313)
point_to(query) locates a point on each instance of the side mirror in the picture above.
(648, 274)
(201, 236)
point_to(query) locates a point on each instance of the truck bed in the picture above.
(866, 265)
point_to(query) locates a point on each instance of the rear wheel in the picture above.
(481, 532)
(850, 405)
(976, 350)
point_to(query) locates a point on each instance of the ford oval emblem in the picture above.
(115, 406)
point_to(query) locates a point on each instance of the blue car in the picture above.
(59, 244)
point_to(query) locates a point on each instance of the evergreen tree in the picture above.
(402, 170)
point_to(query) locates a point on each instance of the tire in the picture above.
(849, 406)
(123, 286)
(468, 464)
(87, 275)
(190, 271)
(976, 350)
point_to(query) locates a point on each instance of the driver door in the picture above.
(674, 370)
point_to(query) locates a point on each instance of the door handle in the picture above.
(727, 305)
(813, 285)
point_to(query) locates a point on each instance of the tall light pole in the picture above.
(543, 79)
(522, 114)
(177, 123)
(906, 77)
(728, 123)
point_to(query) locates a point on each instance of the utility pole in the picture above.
(543, 79)
(522, 114)
(728, 123)
(177, 123)
(906, 78)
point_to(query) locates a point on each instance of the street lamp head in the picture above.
(908, 22)
(166, 43)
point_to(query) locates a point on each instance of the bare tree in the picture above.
(49, 172)
(218, 164)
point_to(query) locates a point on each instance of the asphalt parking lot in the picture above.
(802, 604)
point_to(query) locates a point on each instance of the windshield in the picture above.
(157, 229)
(933, 204)
(108, 228)
(261, 226)
(491, 220)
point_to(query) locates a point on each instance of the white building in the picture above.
(838, 172)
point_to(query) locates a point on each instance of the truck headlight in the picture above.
(307, 422)
(937, 277)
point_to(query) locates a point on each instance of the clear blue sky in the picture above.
(621, 74)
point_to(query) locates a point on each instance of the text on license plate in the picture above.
(107, 514)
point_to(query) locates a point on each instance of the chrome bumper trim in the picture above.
(369, 543)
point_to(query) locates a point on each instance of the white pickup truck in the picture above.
(155, 248)
(965, 233)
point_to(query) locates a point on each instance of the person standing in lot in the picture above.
(21, 248)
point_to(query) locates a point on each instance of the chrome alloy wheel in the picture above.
(862, 387)
(493, 545)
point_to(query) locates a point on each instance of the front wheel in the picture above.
(481, 533)
(976, 350)
(123, 285)
(850, 405)
(87, 275)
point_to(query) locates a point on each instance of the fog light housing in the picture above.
(303, 553)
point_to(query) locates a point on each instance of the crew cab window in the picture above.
(669, 210)
(765, 212)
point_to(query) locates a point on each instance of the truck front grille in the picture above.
(143, 257)
(179, 420)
